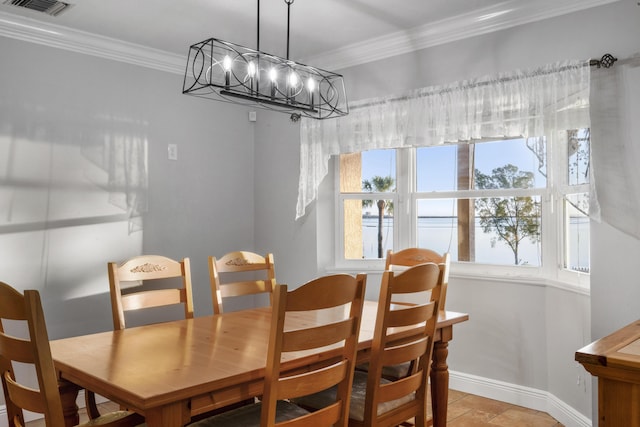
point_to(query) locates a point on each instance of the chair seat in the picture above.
(249, 415)
(358, 394)
(394, 372)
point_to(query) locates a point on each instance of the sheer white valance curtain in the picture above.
(615, 143)
(532, 103)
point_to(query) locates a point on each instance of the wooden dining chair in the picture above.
(414, 256)
(375, 400)
(344, 296)
(400, 261)
(144, 268)
(234, 275)
(35, 351)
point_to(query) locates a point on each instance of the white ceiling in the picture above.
(337, 33)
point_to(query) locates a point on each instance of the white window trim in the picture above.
(551, 272)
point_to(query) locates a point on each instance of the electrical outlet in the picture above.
(172, 151)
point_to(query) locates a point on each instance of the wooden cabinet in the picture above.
(615, 360)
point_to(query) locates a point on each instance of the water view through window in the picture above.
(498, 221)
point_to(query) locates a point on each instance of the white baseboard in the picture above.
(514, 394)
(528, 397)
(30, 416)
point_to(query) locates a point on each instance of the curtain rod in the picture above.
(606, 61)
(483, 81)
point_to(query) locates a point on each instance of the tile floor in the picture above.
(465, 410)
(468, 410)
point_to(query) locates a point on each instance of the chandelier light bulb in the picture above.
(251, 69)
(293, 79)
(311, 86)
(251, 72)
(273, 75)
(226, 63)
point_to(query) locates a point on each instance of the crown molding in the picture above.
(504, 15)
(56, 36)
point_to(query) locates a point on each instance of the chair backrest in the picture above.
(148, 267)
(414, 256)
(34, 351)
(236, 265)
(417, 345)
(345, 295)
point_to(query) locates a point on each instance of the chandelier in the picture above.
(224, 71)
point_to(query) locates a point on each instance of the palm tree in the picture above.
(380, 185)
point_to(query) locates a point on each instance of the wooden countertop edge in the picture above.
(597, 352)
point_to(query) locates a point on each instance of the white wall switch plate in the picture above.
(172, 151)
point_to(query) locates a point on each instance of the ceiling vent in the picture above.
(50, 7)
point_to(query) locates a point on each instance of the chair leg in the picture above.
(92, 407)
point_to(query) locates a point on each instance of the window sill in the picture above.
(529, 276)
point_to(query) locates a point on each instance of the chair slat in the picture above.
(327, 416)
(153, 298)
(16, 349)
(317, 337)
(314, 296)
(312, 382)
(12, 305)
(25, 397)
(235, 289)
(400, 388)
(405, 352)
(412, 315)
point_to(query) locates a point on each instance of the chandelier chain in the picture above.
(289, 3)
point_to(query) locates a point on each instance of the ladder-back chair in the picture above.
(376, 400)
(36, 352)
(342, 293)
(235, 273)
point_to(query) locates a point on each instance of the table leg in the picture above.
(68, 396)
(440, 379)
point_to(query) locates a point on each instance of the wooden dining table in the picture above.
(170, 372)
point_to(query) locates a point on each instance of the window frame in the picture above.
(405, 199)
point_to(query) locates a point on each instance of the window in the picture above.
(492, 203)
(368, 183)
(576, 202)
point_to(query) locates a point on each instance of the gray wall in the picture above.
(277, 156)
(57, 227)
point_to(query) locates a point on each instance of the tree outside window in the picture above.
(512, 219)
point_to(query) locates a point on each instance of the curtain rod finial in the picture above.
(606, 61)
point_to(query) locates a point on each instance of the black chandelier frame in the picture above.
(225, 71)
